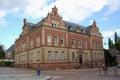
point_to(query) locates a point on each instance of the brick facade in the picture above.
(53, 43)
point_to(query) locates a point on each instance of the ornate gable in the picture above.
(25, 27)
(95, 30)
(54, 19)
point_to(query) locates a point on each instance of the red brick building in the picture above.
(54, 43)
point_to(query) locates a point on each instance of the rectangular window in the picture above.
(85, 44)
(49, 55)
(56, 55)
(31, 57)
(62, 55)
(23, 46)
(73, 55)
(38, 56)
(38, 40)
(31, 44)
(55, 39)
(79, 42)
(73, 42)
(49, 38)
(61, 40)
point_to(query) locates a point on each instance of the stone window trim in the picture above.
(55, 39)
(79, 42)
(49, 55)
(56, 55)
(49, 38)
(62, 40)
(73, 42)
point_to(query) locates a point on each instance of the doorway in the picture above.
(80, 59)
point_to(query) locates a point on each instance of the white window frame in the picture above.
(79, 42)
(49, 38)
(62, 40)
(56, 55)
(73, 41)
(62, 55)
(73, 55)
(49, 55)
(38, 40)
(55, 39)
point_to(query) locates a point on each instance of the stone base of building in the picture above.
(49, 66)
(60, 65)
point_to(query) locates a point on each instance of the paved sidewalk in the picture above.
(79, 74)
(72, 74)
(20, 74)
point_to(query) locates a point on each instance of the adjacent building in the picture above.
(10, 52)
(54, 43)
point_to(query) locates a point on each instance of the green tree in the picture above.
(2, 52)
(110, 43)
(115, 37)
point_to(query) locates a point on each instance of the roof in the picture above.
(114, 51)
(12, 47)
(71, 26)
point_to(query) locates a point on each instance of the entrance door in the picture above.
(80, 59)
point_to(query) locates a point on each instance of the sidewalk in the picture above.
(23, 77)
(20, 74)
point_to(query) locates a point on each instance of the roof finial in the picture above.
(24, 21)
(94, 22)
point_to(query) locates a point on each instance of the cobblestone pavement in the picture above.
(72, 74)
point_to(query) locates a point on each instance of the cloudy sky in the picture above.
(83, 12)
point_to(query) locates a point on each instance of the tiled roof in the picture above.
(12, 47)
(71, 26)
(114, 52)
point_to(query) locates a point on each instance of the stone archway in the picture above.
(80, 57)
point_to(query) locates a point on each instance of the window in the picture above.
(55, 40)
(31, 57)
(55, 24)
(73, 55)
(61, 40)
(38, 40)
(85, 44)
(38, 55)
(23, 46)
(73, 42)
(18, 58)
(94, 56)
(49, 55)
(86, 55)
(56, 55)
(62, 55)
(49, 38)
(79, 43)
(23, 57)
(31, 43)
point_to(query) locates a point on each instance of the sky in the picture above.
(106, 13)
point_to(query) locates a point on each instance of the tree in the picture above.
(117, 41)
(110, 43)
(115, 37)
(2, 52)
